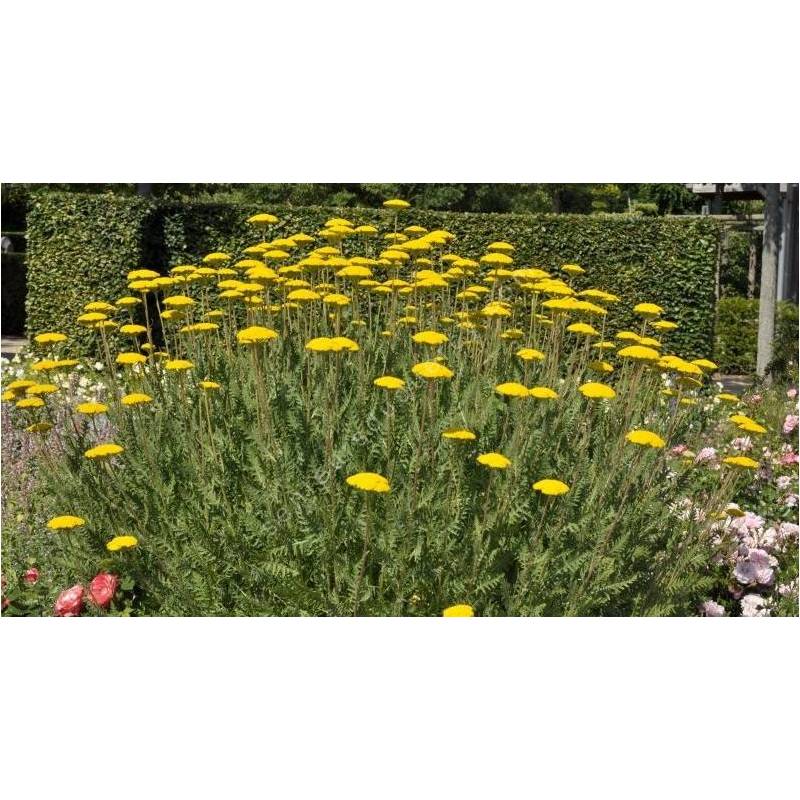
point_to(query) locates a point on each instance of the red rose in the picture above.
(102, 589)
(70, 602)
(31, 576)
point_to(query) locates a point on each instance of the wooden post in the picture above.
(769, 276)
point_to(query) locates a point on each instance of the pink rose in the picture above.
(753, 605)
(756, 568)
(790, 423)
(31, 576)
(102, 589)
(70, 602)
(712, 609)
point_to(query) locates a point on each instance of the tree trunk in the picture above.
(769, 276)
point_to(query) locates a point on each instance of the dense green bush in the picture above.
(80, 246)
(667, 260)
(737, 337)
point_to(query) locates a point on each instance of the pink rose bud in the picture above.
(102, 589)
(70, 602)
(31, 576)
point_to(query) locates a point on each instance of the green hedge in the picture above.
(81, 246)
(737, 337)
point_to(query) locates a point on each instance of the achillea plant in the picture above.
(367, 422)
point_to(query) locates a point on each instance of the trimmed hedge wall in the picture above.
(81, 246)
(737, 337)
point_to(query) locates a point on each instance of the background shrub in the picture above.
(82, 246)
(737, 337)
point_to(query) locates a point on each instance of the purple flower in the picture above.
(754, 605)
(706, 454)
(711, 609)
(790, 423)
(784, 482)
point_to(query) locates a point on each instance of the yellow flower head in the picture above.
(494, 460)
(303, 296)
(136, 398)
(639, 353)
(178, 301)
(49, 338)
(65, 523)
(99, 305)
(200, 327)
(255, 334)
(530, 354)
(460, 610)
(389, 382)
(20, 385)
(551, 486)
(645, 438)
(396, 203)
(209, 385)
(431, 338)
(369, 482)
(178, 365)
(600, 366)
(726, 397)
(263, 219)
(543, 393)
(512, 389)
(91, 318)
(216, 258)
(121, 543)
(132, 330)
(648, 310)
(336, 299)
(572, 269)
(583, 328)
(742, 462)
(431, 370)
(705, 364)
(104, 451)
(30, 402)
(40, 389)
(665, 325)
(91, 408)
(597, 391)
(459, 434)
(128, 359)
